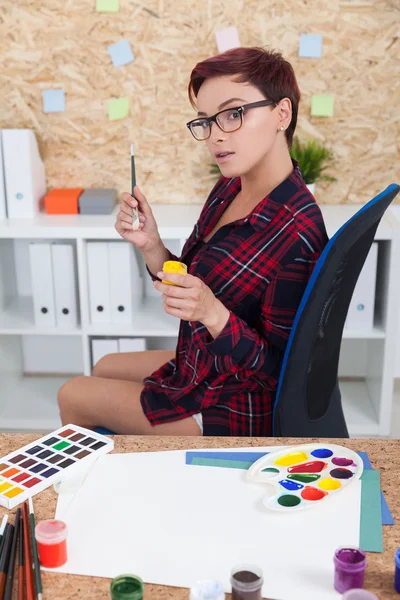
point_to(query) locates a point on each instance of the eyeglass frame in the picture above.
(239, 109)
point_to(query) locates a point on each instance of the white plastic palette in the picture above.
(47, 461)
(305, 475)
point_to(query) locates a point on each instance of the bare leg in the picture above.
(114, 404)
(132, 366)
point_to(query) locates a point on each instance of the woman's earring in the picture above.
(282, 128)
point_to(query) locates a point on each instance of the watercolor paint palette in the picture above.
(34, 467)
(305, 475)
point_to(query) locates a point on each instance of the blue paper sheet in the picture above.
(387, 518)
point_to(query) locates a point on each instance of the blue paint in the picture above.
(291, 485)
(397, 571)
(321, 453)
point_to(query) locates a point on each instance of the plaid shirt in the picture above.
(258, 267)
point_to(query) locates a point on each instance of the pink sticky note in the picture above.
(227, 38)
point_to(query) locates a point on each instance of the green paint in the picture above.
(304, 477)
(371, 535)
(270, 470)
(127, 587)
(220, 462)
(288, 500)
(61, 445)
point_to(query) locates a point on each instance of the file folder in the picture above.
(98, 282)
(125, 282)
(102, 347)
(132, 344)
(42, 284)
(65, 285)
(24, 173)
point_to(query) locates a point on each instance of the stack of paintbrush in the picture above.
(20, 536)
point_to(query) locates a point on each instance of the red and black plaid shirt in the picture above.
(258, 267)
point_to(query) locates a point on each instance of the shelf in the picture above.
(150, 320)
(30, 403)
(358, 409)
(16, 318)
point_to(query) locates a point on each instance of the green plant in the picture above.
(313, 159)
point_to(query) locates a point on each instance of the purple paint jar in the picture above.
(350, 566)
(359, 595)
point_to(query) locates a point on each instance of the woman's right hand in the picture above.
(146, 237)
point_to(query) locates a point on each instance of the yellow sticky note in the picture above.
(322, 106)
(107, 5)
(118, 108)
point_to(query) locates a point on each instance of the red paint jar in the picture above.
(51, 537)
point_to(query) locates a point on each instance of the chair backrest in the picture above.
(308, 402)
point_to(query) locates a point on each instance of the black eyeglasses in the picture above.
(229, 119)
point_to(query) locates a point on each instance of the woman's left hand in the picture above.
(192, 301)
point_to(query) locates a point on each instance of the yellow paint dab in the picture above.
(5, 486)
(294, 458)
(14, 492)
(329, 484)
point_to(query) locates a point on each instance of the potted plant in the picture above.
(313, 159)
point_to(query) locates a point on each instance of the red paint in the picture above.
(311, 493)
(21, 477)
(53, 555)
(315, 466)
(31, 482)
(51, 538)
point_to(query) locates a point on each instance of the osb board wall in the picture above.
(53, 44)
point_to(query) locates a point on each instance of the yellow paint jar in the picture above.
(174, 266)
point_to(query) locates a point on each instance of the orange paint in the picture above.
(51, 537)
(311, 493)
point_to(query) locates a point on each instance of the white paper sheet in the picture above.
(172, 524)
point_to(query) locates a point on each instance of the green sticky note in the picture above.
(118, 108)
(219, 462)
(371, 535)
(322, 106)
(107, 5)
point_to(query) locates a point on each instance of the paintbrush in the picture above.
(21, 561)
(8, 589)
(2, 528)
(5, 556)
(135, 213)
(36, 564)
(27, 552)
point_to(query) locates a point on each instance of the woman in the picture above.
(249, 259)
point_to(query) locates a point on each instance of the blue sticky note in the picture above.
(310, 46)
(53, 101)
(121, 53)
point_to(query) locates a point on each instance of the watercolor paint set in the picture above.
(305, 475)
(31, 469)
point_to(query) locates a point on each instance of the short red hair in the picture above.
(266, 70)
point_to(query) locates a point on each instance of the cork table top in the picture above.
(384, 455)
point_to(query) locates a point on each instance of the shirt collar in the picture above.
(264, 211)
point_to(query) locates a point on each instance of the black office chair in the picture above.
(308, 401)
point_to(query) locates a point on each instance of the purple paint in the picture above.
(350, 566)
(342, 462)
(341, 473)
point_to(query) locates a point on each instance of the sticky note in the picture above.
(227, 38)
(118, 108)
(121, 53)
(310, 46)
(322, 106)
(53, 101)
(107, 5)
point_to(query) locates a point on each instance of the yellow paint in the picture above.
(329, 484)
(291, 459)
(5, 486)
(14, 492)
(174, 266)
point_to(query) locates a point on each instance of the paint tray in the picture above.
(33, 468)
(305, 475)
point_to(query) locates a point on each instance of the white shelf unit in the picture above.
(36, 361)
